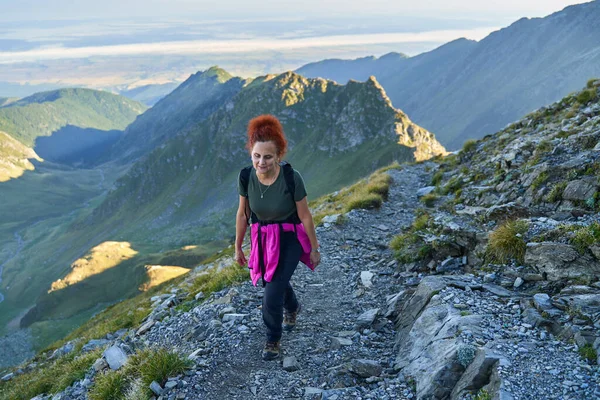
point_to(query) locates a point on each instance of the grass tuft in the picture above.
(507, 242)
(587, 352)
(109, 386)
(50, 378)
(469, 145)
(429, 199)
(215, 281)
(585, 237)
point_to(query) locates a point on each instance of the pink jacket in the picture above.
(270, 249)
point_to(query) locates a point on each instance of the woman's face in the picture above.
(264, 157)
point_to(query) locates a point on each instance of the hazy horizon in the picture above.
(145, 42)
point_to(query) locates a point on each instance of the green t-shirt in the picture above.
(276, 204)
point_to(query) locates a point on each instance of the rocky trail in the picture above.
(370, 328)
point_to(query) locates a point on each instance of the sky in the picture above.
(495, 10)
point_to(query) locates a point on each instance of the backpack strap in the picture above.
(244, 180)
(288, 174)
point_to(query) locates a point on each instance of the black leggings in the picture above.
(279, 293)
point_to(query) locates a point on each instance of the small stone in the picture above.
(170, 385)
(7, 377)
(156, 388)
(290, 364)
(234, 317)
(366, 278)
(115, 357)
(367, 318)
(145, 327)
(309, 391)
(337, 342)
(100, 365)
(365, 368)
(533, 277)
(518, 282)
(460, 306)
(199, 296)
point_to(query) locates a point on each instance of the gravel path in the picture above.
(326, 338)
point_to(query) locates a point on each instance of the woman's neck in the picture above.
(269, 176)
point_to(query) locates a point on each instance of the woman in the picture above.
(282, 231)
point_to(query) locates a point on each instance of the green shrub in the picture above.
(437, 178)
(421, 221)
(556, 192)
(571, 113)
(469, 146)
(134, 379)
(539, 180)
(160, 364)
(507, 243)
(429, 199)
(454, 184)
(590, 83)
(483, 395)
(585, 237)
(587, 352)
(380, 185)
(587, 95)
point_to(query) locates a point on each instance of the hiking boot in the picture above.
(289, 319)
(270, 351)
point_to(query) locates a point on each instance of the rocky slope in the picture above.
(532, 62)
(373, 326)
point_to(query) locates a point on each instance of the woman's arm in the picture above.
(309, 225)
(240, 229)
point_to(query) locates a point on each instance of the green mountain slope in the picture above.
(44, 113)
(466, 89)
(194, 100)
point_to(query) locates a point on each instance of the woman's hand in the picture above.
(315, 258)
(240, 257)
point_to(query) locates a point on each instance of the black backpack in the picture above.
(288, 174)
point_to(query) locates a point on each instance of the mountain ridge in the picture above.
(459, 90)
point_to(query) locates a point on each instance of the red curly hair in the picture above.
(265, 128)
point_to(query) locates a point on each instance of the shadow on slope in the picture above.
(75, 146)
(56, 313)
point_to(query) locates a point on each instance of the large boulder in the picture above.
(580, 189)
(428, 345)
(561, 261)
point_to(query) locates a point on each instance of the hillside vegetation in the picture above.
(44, 113)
